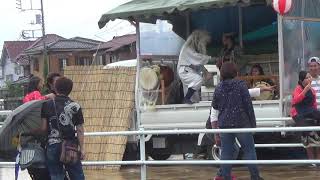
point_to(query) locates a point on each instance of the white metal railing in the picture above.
(143, 162)
(197, 131)
(185, 162)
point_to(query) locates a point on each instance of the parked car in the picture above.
(3, 116)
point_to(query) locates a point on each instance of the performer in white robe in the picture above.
(191, 63)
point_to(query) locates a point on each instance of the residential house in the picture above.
(10, 70)
(117, 49)
(61, 52)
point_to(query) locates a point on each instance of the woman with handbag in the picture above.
(33, 93)
(232, 99)
(63, 120)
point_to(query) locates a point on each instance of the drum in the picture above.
(166, 74)
(148, 78)
(266, 95)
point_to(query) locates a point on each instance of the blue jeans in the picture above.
(227, 153)
(236, 150)
(57, 168)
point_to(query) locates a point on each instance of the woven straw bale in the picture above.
(107, 100)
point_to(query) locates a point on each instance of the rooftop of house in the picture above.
(86, 40)
(14, 48)
(58, 43)
(48, 39)
(117, 42)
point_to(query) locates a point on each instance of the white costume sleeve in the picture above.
(189, 56)
(254, 92)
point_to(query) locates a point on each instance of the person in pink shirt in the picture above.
(304, 106)
(34, 87)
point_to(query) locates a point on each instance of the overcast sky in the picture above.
(67, 18)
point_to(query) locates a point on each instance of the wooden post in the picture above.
(163, 91)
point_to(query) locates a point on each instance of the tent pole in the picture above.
(137, 102)
(281, 64)
(303, 35)
(240, 26)
(143, 167)
(188, 25)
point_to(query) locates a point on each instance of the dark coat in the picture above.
(232, 99)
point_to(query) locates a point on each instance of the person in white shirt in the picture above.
(314, 67)
(191, 63)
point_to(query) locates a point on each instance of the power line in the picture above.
(114, 26)
(111, 28)
(115, 31)
(100, 37)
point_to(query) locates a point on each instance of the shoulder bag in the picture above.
(69, 147)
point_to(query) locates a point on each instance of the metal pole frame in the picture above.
(142, 147)
(197, 131)
(240, 26)
(143, 168)
(301, 18)
(137, 91)
(186, 162)
(188, 24)
(303, 63)
(281, 63)
(143, 162)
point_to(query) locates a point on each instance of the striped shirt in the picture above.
(316, 86)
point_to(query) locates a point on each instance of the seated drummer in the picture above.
(257, 70)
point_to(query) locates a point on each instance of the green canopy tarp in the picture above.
(151, 10)
(264, 32)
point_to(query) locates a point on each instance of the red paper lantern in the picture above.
(282, 6)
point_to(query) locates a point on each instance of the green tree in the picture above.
(14, 90)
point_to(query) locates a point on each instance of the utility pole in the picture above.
(32, 31)
(45, 57)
